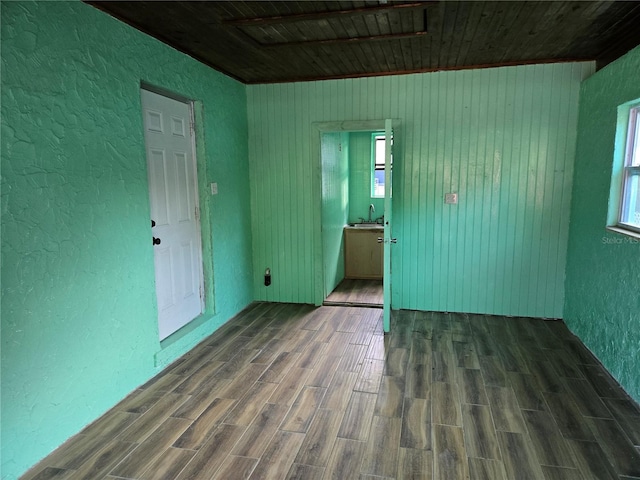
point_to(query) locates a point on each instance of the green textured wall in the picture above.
(502, 138)
(360, 179)
(602, 285)
(79, 328)
(335, 205)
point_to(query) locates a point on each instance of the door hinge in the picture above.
(197, 214)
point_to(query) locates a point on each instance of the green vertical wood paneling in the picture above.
(603, 272)
(503, 139)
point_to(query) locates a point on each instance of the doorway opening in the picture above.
(352, 230)
(175, 220)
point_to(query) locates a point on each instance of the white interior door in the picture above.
(174, 210)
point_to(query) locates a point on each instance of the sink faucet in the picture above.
(371, 210)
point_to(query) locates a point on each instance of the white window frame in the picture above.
(631, 170)
(375, 166)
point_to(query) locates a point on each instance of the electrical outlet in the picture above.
(451, 198)
(214, 189)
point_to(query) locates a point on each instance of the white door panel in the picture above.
(173, 199)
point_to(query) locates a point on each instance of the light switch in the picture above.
(451, 198)
(214, 189)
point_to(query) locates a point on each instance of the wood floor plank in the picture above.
(450, 459)
(414, 464)
(279, 367)
(479, 434)
(199, 378)
(381, 454)
(549, 445)
(518, 457)
(338, 343)
(303, 409)
(444, 367)
(619, 450)
(339, 391)
(168, 465)
(592, 461)
(561, 473)
(345, 459)
(492, 370)
(48, 473)
(356, 422)
(149, 421)
(564, 364)
(505, 410)
(236, 468)
(139, 401)
(243, 411)
(390, 397)
(141, 458)
(353, 359)
(568, 417)
(419, 381)
(586, 398)
(486, 469)
(602, 381)
(310, 356)
(238, 387)
(278, 457)
(104, 460)
(75, 452)
(288, 389)
(548, 379)
(416, 424)
(445, 404)
(377, 347)
(323, 371)
(512, 358)
(213, 453)
(421, 352)
(396, 362)
(472, 387)
(305, 472)
(110, 425)
(198, 431)
(527, 390)
(197, 403)
(466, 356)
(318, 443)
(255, 439)
(370, 376)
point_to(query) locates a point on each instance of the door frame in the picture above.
(196, 117)
(318, 128)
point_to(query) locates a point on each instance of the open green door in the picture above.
(388, 240)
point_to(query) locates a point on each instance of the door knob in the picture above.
(393, 240)
(156, 241)
(380, 239)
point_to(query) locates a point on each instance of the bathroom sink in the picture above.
(367, 225)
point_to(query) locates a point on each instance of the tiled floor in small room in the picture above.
(291, 391)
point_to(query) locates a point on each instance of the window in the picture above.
(629, 217)
(377, 164)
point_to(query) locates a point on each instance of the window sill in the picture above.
(623, 231)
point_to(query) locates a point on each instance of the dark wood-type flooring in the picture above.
(356, 292)
(296, 392)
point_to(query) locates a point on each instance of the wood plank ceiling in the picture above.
(285, 41)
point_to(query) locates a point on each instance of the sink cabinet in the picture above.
(362, 252)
